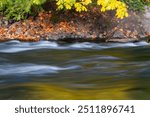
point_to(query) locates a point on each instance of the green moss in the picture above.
(136, 5)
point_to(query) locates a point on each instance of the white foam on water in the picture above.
(45, 44)
(84, 45)
(16, 46)
(142, 43)
(28, 69)
(13, 42)
(88, 45)
(15, 50)
(121, 45)
(130, 44)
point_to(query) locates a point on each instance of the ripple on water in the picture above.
(16, 46)
(95, 74)
(95, 58)
(32, 69)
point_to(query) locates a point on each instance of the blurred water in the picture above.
(50, 70)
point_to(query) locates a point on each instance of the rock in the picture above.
(6, 22)
(118, 34)
(145, 19)
(147, 12)
(18, 31)
(103, 27)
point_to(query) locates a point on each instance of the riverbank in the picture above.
(71, 27)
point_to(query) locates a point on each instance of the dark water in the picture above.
(49, 70)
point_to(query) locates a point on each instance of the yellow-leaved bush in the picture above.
(81, 5)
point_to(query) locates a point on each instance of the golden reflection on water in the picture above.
(51, 91)
(126, 77)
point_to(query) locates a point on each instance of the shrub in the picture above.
(120, 7)
(20, 9)
(137, 5)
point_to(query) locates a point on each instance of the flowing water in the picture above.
(50, 70)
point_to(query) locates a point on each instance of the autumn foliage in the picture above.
(82, 5)
(21, 9)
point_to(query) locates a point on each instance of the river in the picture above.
(50, 70)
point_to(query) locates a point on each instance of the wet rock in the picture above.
(123, 40)
(148, 41)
